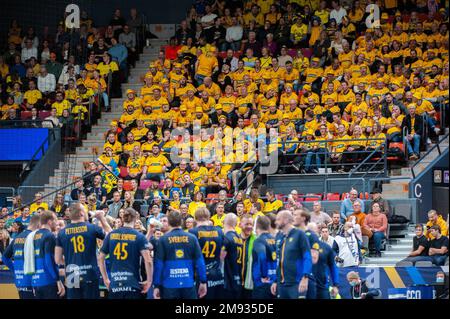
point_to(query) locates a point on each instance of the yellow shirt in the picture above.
(32, 96)
(34, 207)
(193, 206)
(155, 163)
(61, 106)
(106, 68)
(272, 207)
(299, 32)
(218, 221)
(206, 64)
(135, 165)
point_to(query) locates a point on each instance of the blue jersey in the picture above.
(264, 262)
(124, 247)
(79, 243)
(46, 270)
(25, 222)
(293, 256)
(325, 268)
(211, 241)
(15, 251)
(177, 258)
(233, 261)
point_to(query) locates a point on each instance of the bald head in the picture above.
(284, 220)
(230, 220)
(313, 228)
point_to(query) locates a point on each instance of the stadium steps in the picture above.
(396, 250)
(73, 165)
(400, 188)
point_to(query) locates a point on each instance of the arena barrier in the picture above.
(394, 282)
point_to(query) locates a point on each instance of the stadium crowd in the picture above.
(312, 78)
(62, 79)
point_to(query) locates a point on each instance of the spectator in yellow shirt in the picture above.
(435, 219)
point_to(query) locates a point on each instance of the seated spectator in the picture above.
(38, 203)
(116, 205)
(384, 204)
(318, 216)
(435, 219)
(98, 189)
(197, 202)
(272, 205)
(59, 206)
(438, 251)
(347, 204)
(376, 222)
(358, 218)
(129, 201)
(420, 246)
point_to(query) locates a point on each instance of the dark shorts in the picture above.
(46, 292)
(291, 291)
(25, 292)
(126, 295)
(87, 290)
(179, 293)
(262, 292)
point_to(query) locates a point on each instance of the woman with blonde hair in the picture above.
(197, 202)
(129, 201)
(59, 207)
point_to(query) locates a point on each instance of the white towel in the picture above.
(28, 254)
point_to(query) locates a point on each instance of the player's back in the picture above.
(21, 279)
(233, 260)
(264, 257)
(79, 244)
(177, 258)
(124, 246)
(46, 270)
(211, 240)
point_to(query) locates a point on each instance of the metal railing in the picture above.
(326, 155)
(436, 146)
(41, 150)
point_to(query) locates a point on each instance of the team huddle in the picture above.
(249, 258)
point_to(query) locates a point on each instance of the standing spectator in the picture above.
(128, 39)
(347, 204)
(233, 36)
(338, 12)
(435, 219)
(335, 227)
(183, 32)
(119, 53)
(414, 132)
(347, 247)
(53, 66)
(117, 22)
(29, 51)
(376, 222)
(318, 216)
(420, 246)
(135, 25)
(207, 20)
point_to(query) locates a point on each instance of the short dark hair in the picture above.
(129, 215)
(418, 226)
(46, 216)
(174, 218)
(263, 223)
(436, 228)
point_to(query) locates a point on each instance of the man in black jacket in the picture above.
(414, 132)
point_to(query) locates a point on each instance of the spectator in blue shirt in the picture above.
(119, 52)
(347, 204)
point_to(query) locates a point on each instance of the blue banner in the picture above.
(395, 282)
(21, 144)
